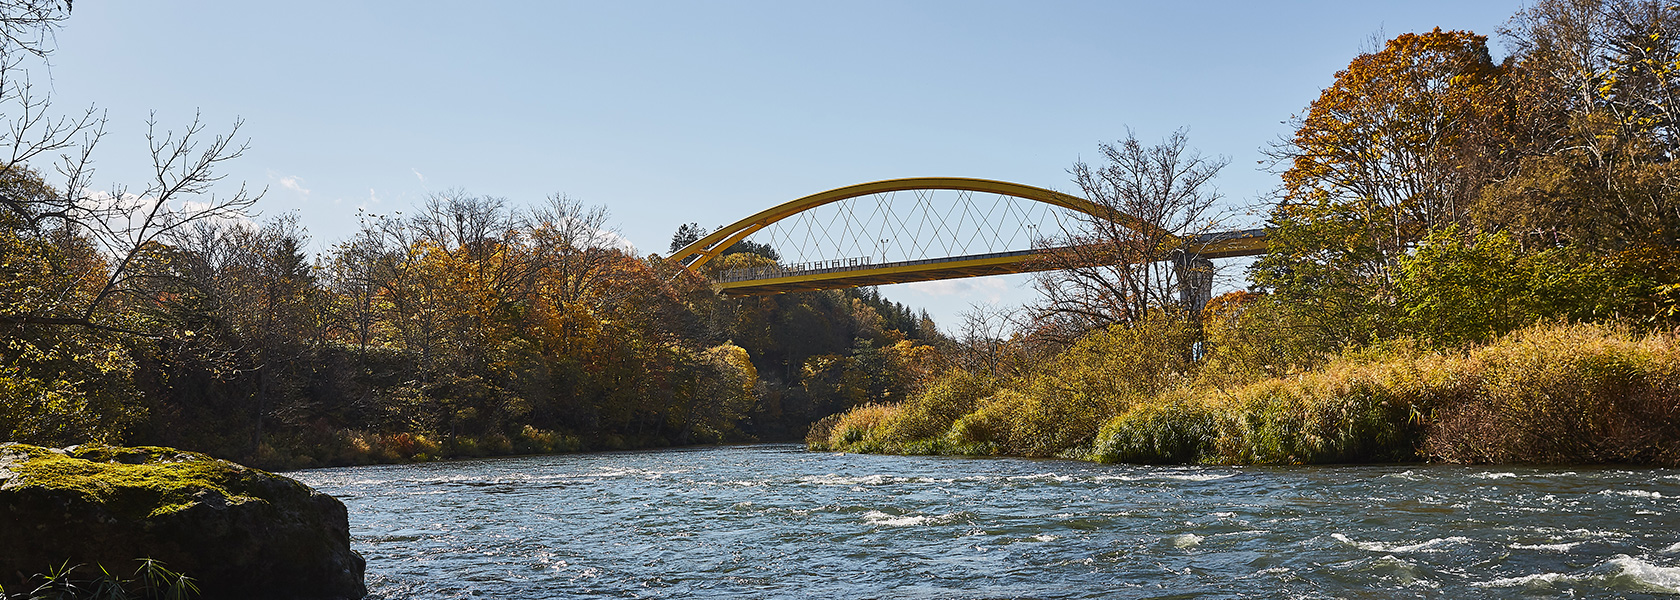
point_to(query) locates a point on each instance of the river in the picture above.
(776, 521)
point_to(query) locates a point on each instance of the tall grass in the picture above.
(1550, 393)
(1367, 407)
(1567, 394)
(1061, 406)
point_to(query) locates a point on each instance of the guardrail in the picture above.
(866, 262)
(845, 264)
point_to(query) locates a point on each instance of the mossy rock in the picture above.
(240, 532)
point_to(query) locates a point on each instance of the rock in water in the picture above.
(241, 532)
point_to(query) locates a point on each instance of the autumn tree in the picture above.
(1401, 142)
(1596, 85)
(79, 266)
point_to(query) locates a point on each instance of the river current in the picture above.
(776, 521)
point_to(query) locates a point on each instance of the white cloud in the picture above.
(294, 183)
(614, 240)
(989, 289)
(417, 175)
(236, 220)
(134, 208)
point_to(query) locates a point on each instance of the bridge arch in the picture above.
(710, 247)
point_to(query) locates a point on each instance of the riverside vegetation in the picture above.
(1469, 261)
(1550, 393)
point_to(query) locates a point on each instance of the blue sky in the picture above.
(671, 112)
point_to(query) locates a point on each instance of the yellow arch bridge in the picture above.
(926, 229)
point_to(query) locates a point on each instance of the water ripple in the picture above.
(774, 521)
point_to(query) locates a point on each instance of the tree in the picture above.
(1402, 142)
(126, 226)
(1111, 269)
(686, 234)
(689, 233)
(1596, 84)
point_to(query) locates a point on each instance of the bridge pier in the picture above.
(1195, 280)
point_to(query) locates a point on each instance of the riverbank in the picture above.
(1553, 394)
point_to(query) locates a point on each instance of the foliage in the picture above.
(1547, 393)
(1392, 149)
(57, 384)
(150, 581)
(1054, 409)
(1571, 394)
(1455, 291)
(1593, 88)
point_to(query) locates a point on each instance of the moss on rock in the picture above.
(241, 532)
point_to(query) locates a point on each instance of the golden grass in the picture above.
(1550, 393)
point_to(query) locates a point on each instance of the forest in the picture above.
(1469, 260)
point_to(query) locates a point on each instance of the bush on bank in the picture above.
(337, 447)
(1549, 393)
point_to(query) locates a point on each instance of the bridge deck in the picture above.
(778, 280)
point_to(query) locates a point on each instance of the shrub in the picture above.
(863, 429)
(930, 414)
(1174, 428)
(1351, 411)
(1567, 394)
(818, 436)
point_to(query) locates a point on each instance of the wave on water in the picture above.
(871, 480)
(1168, 476)
(1196, 476)
(1621, 572)
(1551, 547)
(1508, 475)
(1538, 580)
(832, 479)
(1641, 573)
(1633, 493)
(1186, 540)
(1494, 475)
(1429, 546)
(1042, 477)
(876, 517)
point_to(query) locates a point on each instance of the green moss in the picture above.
(134, 482)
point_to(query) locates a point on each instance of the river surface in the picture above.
(776, 521)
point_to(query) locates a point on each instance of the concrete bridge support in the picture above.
(1195, 280)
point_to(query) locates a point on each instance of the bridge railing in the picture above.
(845, 264)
